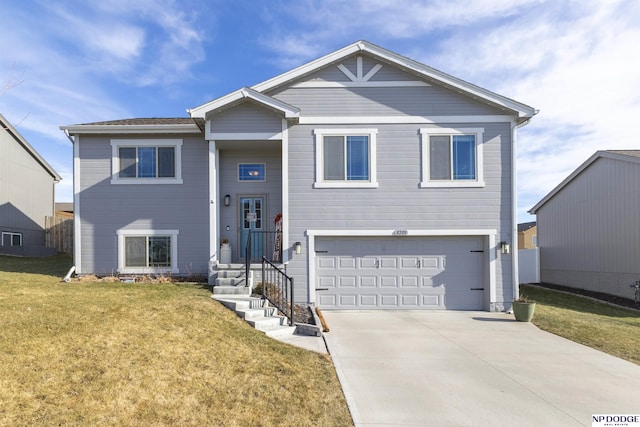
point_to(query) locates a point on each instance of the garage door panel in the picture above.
(347, 262)
(348, 301)
(396, 273)
(432, 301)
(409, 281)
(327, 281)
(367, 262)
(368, 301)
(389, 301)
(327, 300)
(388, 282)
(388, 262)
(347, 281)
(430, 262)
(410, 301)
(326, 262)
(368, 281)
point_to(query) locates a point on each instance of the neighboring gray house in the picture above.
(589, 227)
(394, 181)
(26, 195)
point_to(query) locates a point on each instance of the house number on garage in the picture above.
(400, 232)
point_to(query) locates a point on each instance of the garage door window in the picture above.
(345, 158)
(452, 157)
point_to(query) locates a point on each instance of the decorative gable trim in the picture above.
(523, 111)
(358, 79)
(289, 111)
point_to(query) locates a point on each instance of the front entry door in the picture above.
(251, 219)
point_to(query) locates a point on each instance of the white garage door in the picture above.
(400, 272)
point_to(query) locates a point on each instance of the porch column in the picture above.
(214, 208)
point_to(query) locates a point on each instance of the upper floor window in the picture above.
(452, 157)
(345, 158)
(138, 161)
(255, 172)
(11, 239)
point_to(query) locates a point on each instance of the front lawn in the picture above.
(608, 328)
(86, 353)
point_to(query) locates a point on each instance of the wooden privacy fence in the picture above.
(59, 233)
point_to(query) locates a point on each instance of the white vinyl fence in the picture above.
(529, 265)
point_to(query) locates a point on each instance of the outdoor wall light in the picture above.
(227, 200)
(298, 248)
(505, 248)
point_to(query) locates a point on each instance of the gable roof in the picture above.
(523, 112)
(526, 226)
(632, 156)
(245, 93)
(139, 125)
(4, 124)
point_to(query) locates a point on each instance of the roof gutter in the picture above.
(68, 135)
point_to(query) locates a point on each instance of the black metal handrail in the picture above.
(277, 288)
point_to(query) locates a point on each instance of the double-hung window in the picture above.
(345, 158)
(452, 157)
(147, 251)
(11, 239)
(136, 161)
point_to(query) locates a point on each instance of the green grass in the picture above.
(87, 353)
(608, 328)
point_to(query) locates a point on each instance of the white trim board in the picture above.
(246, 136)
(381, 120)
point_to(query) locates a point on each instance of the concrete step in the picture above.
(239, 302)
(230, 267)
(230, 281)
(281, 332)
(263, 319)
(231, 290)
(256, 313)
(267, 323)
(230, 273)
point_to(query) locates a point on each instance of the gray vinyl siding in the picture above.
(398, 202)
(246, 118)
(26, 192)
(106, 208)
(382, 101)
(229, 184)
(589, 232)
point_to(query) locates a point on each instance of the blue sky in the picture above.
(75, 62)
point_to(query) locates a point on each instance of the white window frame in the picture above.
(147, 233)
(319, 142)
(115, 160)
(426, 133)
(252, 163)
(10, 234)
(534, 240)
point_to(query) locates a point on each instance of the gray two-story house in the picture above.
(27, 187)
(393, 184)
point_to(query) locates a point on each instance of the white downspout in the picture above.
(514, 208)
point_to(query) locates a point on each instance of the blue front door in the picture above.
(252, 219)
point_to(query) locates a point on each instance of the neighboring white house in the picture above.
(26, 195)
(394, 182)
(589, 226)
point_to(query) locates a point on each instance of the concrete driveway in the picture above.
(457, 368)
